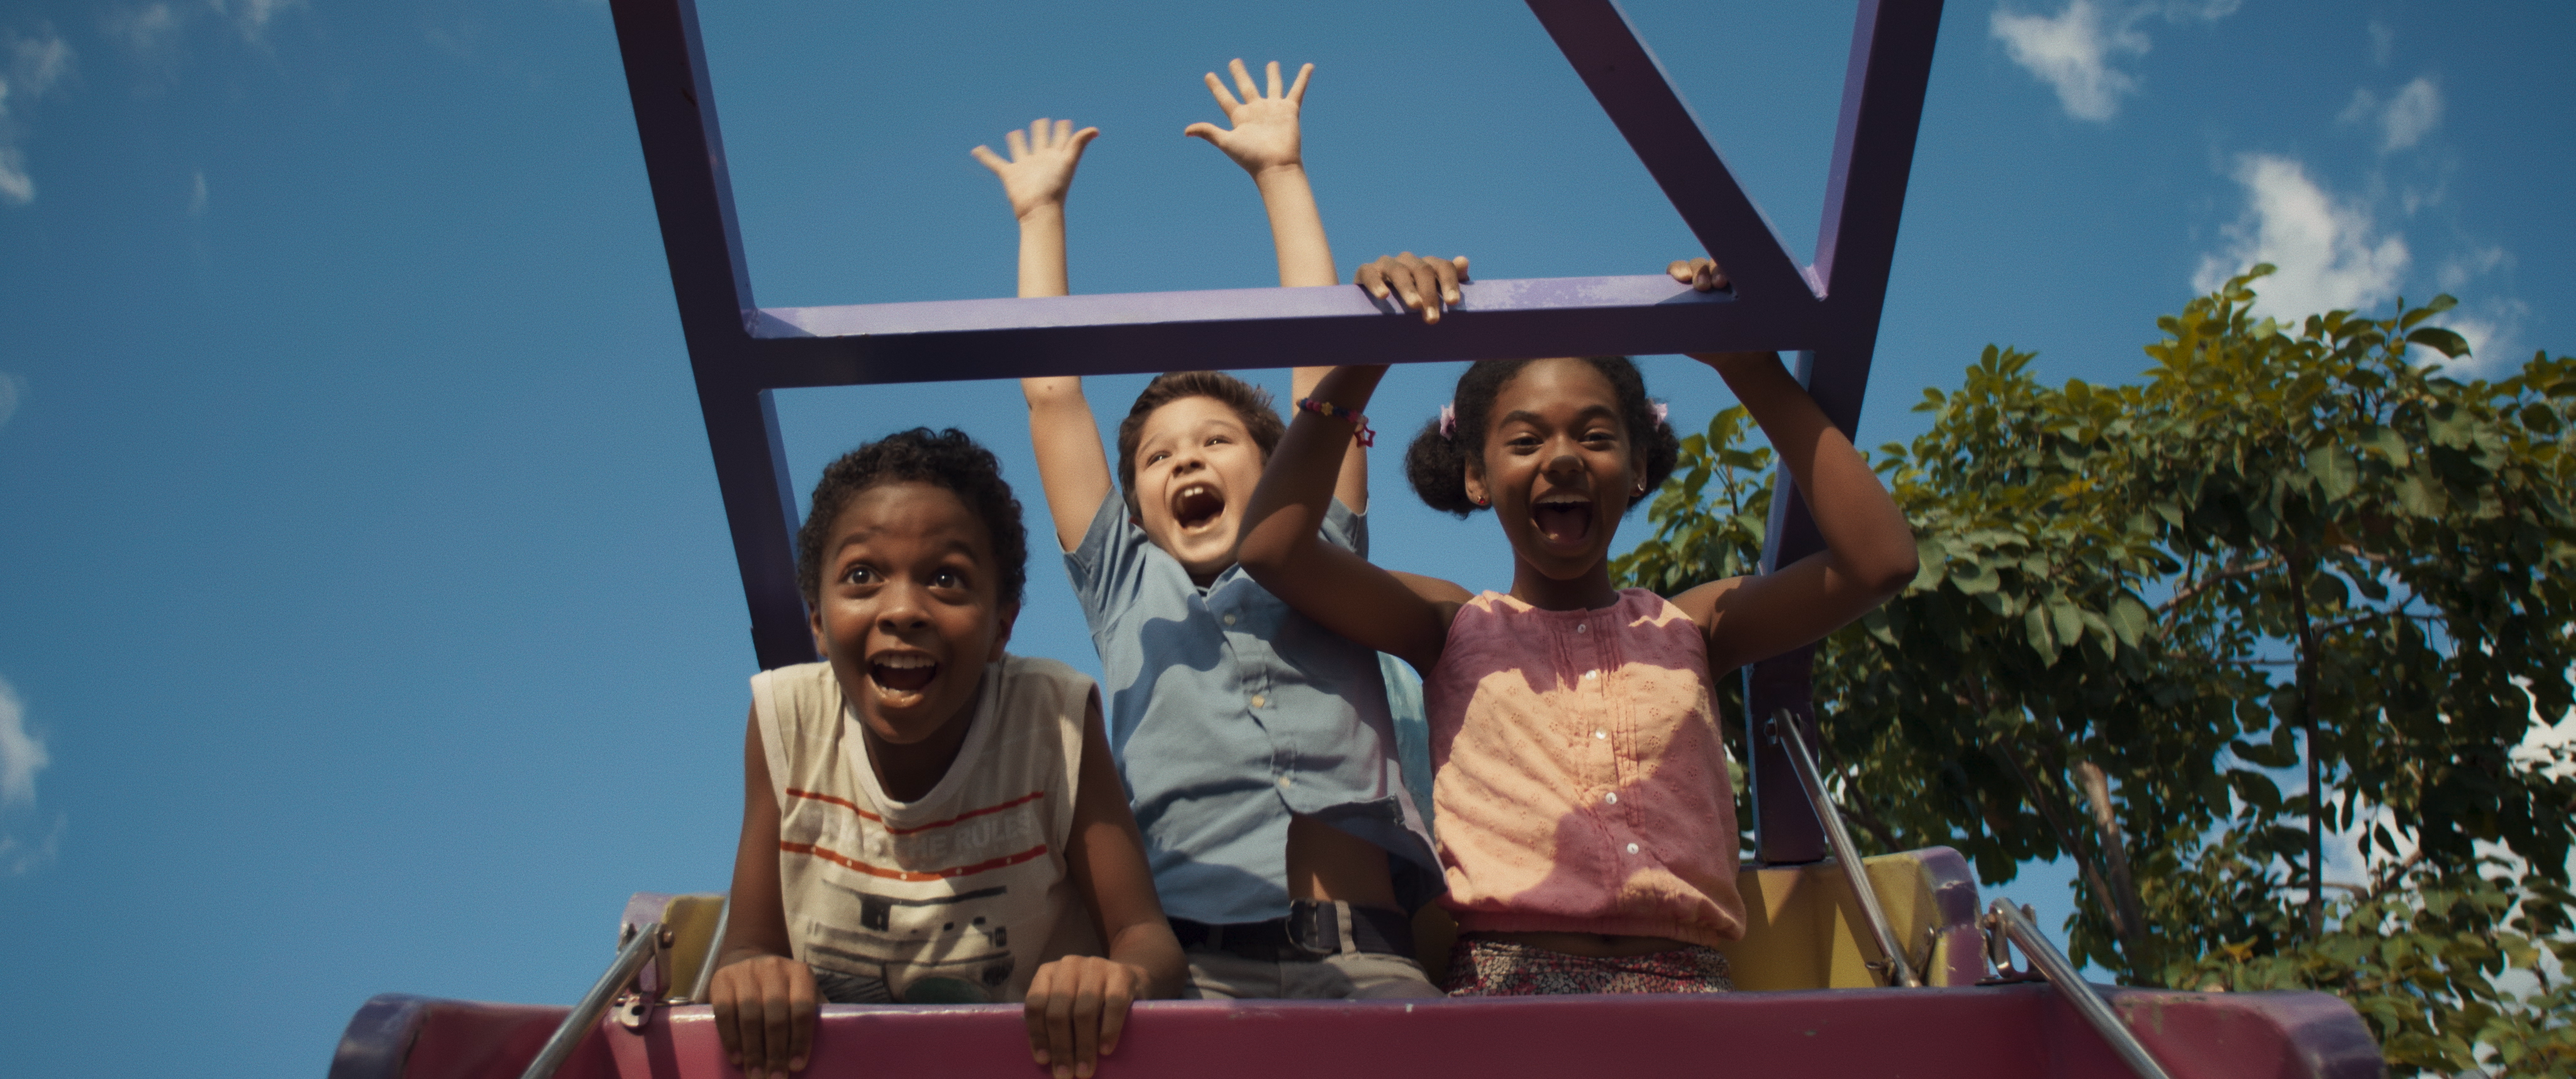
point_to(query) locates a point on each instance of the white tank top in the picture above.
(955, 898)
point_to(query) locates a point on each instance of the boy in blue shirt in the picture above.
(1256, 746)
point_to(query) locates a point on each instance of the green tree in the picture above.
(2289, 556)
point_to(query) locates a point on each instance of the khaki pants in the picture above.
(1349, 975)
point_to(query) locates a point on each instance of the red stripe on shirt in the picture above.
(837, 858)
(853, 807)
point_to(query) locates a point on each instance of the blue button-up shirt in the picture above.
(1229, 712)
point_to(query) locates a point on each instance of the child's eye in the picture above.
(1217, 440)
(1155, 457)
(860, 574)
(947, 578)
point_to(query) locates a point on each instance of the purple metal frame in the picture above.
(1827, 313)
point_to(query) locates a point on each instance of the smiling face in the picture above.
(1196, 466)
(910, 609)
(1558, 467)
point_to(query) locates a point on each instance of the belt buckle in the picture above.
(1314, 928)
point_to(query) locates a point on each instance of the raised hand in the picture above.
(1040, 170)
(1421, 284)
(1265, 124)
(1077, 1007)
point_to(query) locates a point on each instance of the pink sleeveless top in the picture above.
(1580, 780)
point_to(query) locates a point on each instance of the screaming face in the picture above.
(1559, 467)
(1196, 466)
(910, 612)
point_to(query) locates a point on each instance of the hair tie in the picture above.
(1660, 410)
(1449, 421)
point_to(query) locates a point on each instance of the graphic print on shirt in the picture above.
(927, 933)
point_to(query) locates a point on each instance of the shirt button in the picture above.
(1258, 701)
(1591, 674)
(1601, 734)
(1287, 781)
(1581, 627)
(1612, 798)
(1632, 848)
(1229, 620)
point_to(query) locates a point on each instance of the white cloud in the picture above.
(151, 30)
(2330, 254)
(197, 195)
(2074, 50)
(23, 858)
(12, 390)
(22, 755)
(252, 17)
(34, 66)
(2404, 119)
(2383, 43)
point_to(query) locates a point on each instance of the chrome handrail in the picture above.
(1899, 972)
(585, 1015)
(715, 951)
(2003, 916)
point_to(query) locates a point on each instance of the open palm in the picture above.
(1265, 124)
(1040, 170)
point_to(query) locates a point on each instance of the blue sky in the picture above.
(367, 621)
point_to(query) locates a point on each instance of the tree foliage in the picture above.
(2152, 617)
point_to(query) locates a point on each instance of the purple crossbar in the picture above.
(1827, 313)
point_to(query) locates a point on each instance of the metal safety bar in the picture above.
(715, 951)
(2002, 917)
(630, 961)
(1784, 727)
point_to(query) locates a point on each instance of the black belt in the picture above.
(1312, 930)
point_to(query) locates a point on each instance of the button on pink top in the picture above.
(1580, 779)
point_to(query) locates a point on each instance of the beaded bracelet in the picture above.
(1330, 410)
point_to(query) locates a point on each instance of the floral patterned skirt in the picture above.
(1481, 967)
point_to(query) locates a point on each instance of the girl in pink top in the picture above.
(1585, 823)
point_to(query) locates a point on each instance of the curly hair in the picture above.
(1436, 464)
(947, 459)
(1250, 403)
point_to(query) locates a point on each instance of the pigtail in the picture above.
(1436, 465)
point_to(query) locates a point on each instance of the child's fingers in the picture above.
(1203, 130)
(1461, 263)
(1224, 100)
(1447, 272)
(802, 1010)
(1083, 138)
(1059, 1022)
(1371, 280)
(1297, 93)
(1086, 1017)
(1274, 80)
(1243, 79)
(1018, 141)
(1038, 139)
(728, 1012)
(1114, 1002)
(990, 159)
(1033, 1011)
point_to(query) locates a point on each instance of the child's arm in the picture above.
(1072, 467)
(1869, 549)
(1267, 142)
(764, 999)
(1399, 614)
(1077, 1005)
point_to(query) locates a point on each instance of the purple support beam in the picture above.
(1828, 313)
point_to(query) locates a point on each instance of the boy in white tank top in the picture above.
(928, 819)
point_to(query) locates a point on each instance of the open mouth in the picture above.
(903, 674)
(1197, 506)
(1564, 519)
